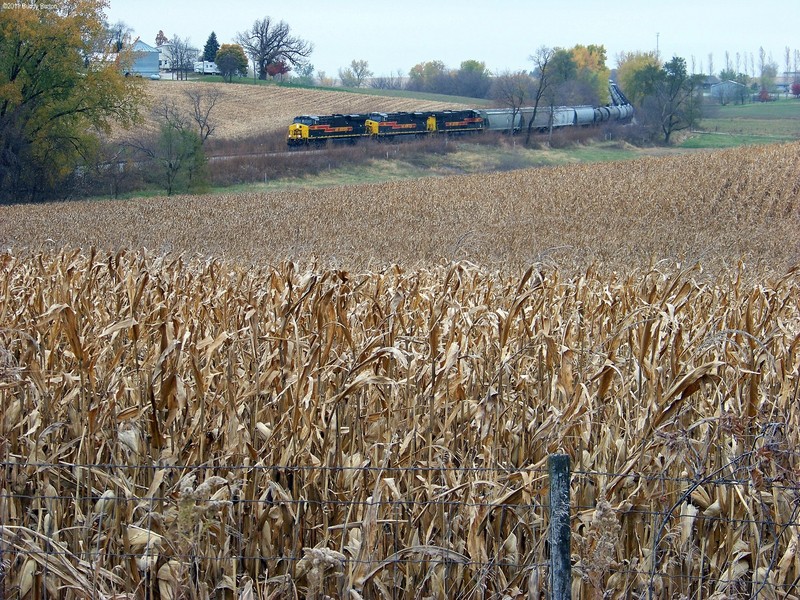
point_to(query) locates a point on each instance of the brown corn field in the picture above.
(245, 110)
(709, 208)
(197, 424)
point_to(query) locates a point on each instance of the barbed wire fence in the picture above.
(199, 530)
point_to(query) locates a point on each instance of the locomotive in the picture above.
(315, 129)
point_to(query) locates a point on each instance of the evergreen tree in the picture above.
(211, 47)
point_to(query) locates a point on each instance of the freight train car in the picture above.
(504, 119)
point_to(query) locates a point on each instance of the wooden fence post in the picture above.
(560, 566)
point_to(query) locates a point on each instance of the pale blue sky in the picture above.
(397, 35)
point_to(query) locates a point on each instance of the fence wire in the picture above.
(173, 531)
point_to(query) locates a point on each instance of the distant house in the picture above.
(145, 60)
(165, 56)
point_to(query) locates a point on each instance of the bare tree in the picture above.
(356, 74)
(108, 40)
(268, 42)
(203, 102)
(176, 153)
(512, 90)
(113, 169)
(119, 35)
(392, 81)
(183, 56)
(541, 62)
(796, 62)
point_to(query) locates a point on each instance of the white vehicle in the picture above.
(206, 67)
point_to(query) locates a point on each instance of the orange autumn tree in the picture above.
(590, 62)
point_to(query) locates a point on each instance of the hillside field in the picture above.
(249, 110)
(715, 208)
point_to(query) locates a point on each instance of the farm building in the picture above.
(145, 60)
(729, 91)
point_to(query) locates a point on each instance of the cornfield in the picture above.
(324, 420)
(712, 208)
(248, 109)
(180, 425)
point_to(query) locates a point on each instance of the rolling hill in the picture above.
(254, 109)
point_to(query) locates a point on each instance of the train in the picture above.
(308, 130)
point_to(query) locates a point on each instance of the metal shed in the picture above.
(145, 60)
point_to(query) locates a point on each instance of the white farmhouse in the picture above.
(165, 56)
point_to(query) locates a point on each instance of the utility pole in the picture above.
(658, 56)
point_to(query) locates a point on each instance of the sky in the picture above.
(395, 36)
